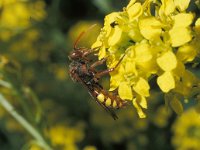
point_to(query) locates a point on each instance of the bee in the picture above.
(82, 70)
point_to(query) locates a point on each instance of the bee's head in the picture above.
(75, 55)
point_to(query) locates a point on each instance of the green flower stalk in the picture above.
(158, 39)
(39, 139)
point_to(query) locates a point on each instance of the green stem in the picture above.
(24, 104)
(24, 123)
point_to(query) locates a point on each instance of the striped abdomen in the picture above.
(110, 100)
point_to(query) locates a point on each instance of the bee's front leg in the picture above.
(97, 63)
(89, 51)
(105, 72)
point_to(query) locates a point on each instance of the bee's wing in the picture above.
(91, 92)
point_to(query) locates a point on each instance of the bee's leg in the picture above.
(89, 51)
(105, 72)
(97, 63)
(85, 52)
(86, 59)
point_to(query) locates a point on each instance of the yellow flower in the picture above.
(187, 128)
(116, 78)
(167, 7)
(177, 32)
(131, 3)
(197, 23)
(150, 27)
(65, 136)
(115, 36)
(142, 87)
(186, 53)
(138, 108)
(178, 19)
(167, 61)
(143, 53)
(156, 44)
(166, 82)
(125, 91)
(134, 11)
(182, 5)
(16, 15)
(90, 148)
(180, 29)
(161, 117)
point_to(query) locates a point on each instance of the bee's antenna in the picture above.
(81, 35)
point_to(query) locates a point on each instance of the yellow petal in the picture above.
(142, 101)
(116, 77)
(102, 52)
(176, 105)
(149, 67)
(166, 82)
(179, 36)
(180, 69)
(131, 3)
(142, 87)
(130, 67)
(150, 27)
(113, 60)
(98, 43)
(186, 53)
(167, 61)
(197, 23)
(197, 30)
(178, 19)
(135, 35)
(107, 21)
(139, 109)
(115, 37)
(135, 11)
(130, 53)
(167, 7)
(125, 91)
(143, 52)
(182, 5)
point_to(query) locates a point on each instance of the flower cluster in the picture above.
(17, 15)
(187, 128)
(157, 39)
(64, 137)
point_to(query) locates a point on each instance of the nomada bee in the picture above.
(82, 70)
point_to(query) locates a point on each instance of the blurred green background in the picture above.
(36, 37)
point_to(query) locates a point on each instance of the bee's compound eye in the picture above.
(74, 55)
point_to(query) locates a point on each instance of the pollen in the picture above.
(100, 97)
(108, 102)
